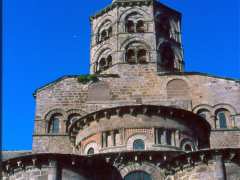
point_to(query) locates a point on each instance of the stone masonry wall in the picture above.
(140, 85)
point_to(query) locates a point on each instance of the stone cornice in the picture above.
(120, 3)
(192, 159)
(187, 117)
(170, 161)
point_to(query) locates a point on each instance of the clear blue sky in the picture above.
(46, 39)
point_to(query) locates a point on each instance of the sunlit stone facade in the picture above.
(138, 115)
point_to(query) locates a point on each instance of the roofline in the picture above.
(198, 73)
(115, 75)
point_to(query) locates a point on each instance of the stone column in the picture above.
(177, 138)
(173, 142)
(220, 173)
(104, 139)
(164, 137)
(52, 172)
(113, 138)
(156, 135)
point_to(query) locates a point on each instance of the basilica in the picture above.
(138, 115)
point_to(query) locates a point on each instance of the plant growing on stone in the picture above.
(84, 79)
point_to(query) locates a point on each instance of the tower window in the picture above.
(131, 56)
(142, 56)
(54, 125)
(140, 26)
(109, 60)
(130, 26)
(104, 35)
(138, 144)
(102, 64)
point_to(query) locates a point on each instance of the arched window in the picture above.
(142, 56)
(131, 56)
(222, 116)
(188, 147)
(90, 151)
(103, 35)
(138, 175)
(140, 26)
(130, 26)
(204, 113)
(54, 125)
(102, 64)
(138, 144)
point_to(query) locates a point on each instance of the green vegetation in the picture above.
(87, 78)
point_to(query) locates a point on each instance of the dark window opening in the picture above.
(188, 147)
(142, 56)
(168, 137)
(109, 60)
(104, 35)
(131, 56)
(130, 26)
(140, 27)
(110, 32)
(90, 151)
(138, 144)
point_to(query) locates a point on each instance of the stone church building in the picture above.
(138, 115)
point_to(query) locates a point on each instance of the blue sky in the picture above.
(44, 40)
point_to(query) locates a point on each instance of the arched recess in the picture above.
(135, 51)
(89, 147)
(132, 139)
(187, 145)
(72, 117)
(178, 89)
(151, 169)
(137, 11)
(99, 91)
(55, 121)
(224, 112)
(103, 59)
(104, 31)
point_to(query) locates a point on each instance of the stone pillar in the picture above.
(220, 173)
(113, 138)
(52, 172)
(177, 138)
(164, 137)
(173, 141)
(104, 139)
(156, 135)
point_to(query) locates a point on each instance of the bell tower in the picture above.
(136, 33)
